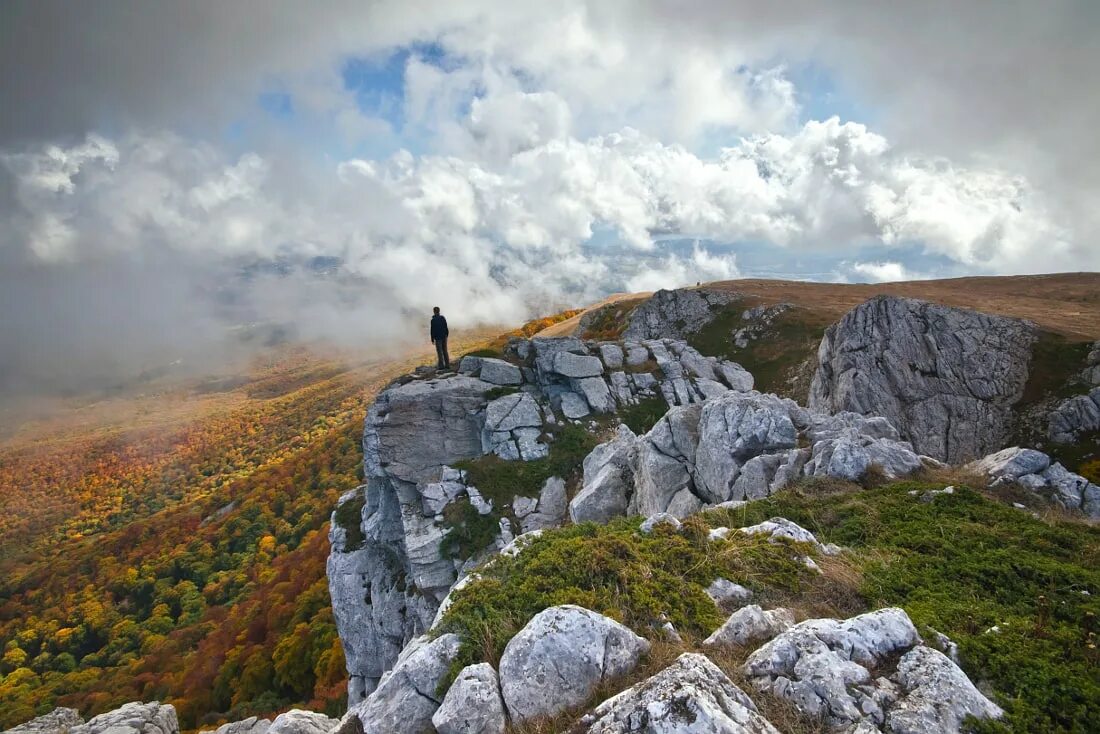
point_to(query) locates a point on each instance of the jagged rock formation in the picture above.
(1075, 416)
(132, 718)
(58, 721)
(738, 446)
(691, 695)
(946, 378)
(387, 570)
(674, 314)
(825, 667)
(1034, 471)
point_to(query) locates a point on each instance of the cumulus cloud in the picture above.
(882, 272)
(533, 157)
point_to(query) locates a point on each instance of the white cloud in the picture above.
(881, 272)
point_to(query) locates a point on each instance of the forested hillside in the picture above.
(170, 543)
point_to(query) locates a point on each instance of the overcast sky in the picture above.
(502, 159)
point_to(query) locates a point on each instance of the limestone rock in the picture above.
(251, 725)
(551, 509)
(596, 393)
(567, 364)
(509, 412)
(824, 665)
(690, 696)
(1074, 416)
(400, 438)
(574, 406)
(728, 595)
(559, 659)
(612, 356)
(736, 376)
(751, 624)
(1033, 470)
(661, 518)
(1011, 463)
(673, 314)
(408, 696)
(733, 429)
(473, 704)
(297, 721)
(608, 480)
(945, 377)
(499, 372)
(938, 695)
(58, 721)
(133, 718)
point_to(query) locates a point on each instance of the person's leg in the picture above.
(446, 354)
(439, 351)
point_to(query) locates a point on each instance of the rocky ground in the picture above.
(469, 473)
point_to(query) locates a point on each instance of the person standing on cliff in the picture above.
(440, 332)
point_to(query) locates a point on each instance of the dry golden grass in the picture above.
(1066, 303)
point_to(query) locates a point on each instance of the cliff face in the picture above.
(389, 570)
(947, 378)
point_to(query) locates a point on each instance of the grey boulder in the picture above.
(251, 725)
(297, 721)
(691, 696)
(751, 624)
(499, 372)
(408, 696)
(473, 704)
(938, 695)
(559, 659)
(568, 364)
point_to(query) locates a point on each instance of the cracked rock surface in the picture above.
(945, 377)
(560, 657)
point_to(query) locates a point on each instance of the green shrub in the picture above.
(502, 480)
(349, 516)
(644, 415)
(487, 352)
(773, 358)
(469, 530)
(615, 570)
(964, 564)
(499, 392)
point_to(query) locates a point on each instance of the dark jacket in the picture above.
(439, 327)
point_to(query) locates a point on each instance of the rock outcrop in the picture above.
(946, 378)
(58, 721)
(738, 446)
(133, 718)
(388, 571)
(1035, 471)
(1075, 416)
(560, 657)
(691, 695)
(824, 666)
(674, 314)
(408, 697)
